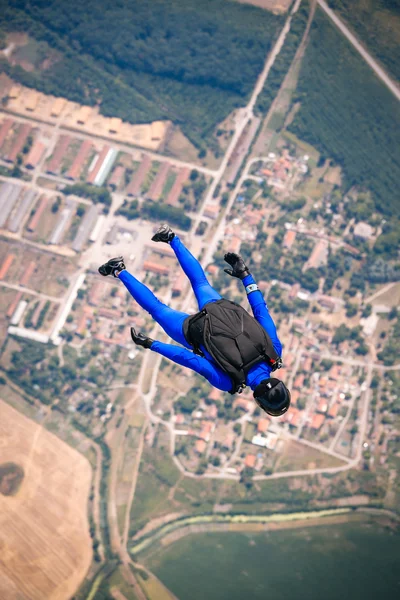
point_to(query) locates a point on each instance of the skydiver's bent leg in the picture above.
(203, 291)
(170, 320)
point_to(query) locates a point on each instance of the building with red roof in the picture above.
(35, 155)
(116, 176)
(54, 164)
(293, 417)
(98, 164)
(28, 273)
(322, 406)
(263, 425)
(333, 411)
(155, 268)
(215, 395)
(250, 461)
(176, 189)
(157, 186)
(299, 381)
(289, 238)
(80, 159)
(33, 223)
(23, 133)
(200, 446)
(5, 129)
(6, 265)
(139, 176)
(294, 396)
(317, 421)
(179, 284)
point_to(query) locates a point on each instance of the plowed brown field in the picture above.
(45, 547)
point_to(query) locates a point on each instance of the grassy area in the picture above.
(154, 589)
(329, 561)
(157, 476)
(377, 24)
(299, 456)
(348, 114)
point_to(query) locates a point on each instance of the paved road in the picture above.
(366, 56)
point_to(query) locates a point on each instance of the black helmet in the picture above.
(272, 396)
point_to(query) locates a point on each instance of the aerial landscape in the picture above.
(265, 128)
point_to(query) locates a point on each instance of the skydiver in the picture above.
(222, 342)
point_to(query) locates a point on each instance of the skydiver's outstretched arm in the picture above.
(260, 311)
(259, 307)
(196, 363)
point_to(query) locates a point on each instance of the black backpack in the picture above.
(235, 340)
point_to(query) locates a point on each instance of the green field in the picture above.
(377, 24)
(349, 115)
(329, 562)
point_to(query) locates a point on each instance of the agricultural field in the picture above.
(302, 563)
(349, 115)
(44, 488)
(377, 25)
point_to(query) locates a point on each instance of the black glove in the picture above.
(239, 268)
(140, 339)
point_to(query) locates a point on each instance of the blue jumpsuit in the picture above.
(172, 321)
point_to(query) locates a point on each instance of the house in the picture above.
(207, 429)
(289, 239)
(212, 269)
(211, 211)
(263, 425)
(228, 441)
(179, 284)
(155, 268)
(322, 406)
(250, 461)
(215, 395)
(211, 412)
(333, 411)
(200, 446)
(294, 396)
(317, 421)
(299, 381)
(294, 417)
(244, 404)
(179, 419)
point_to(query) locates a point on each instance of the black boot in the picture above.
(112, 267)
(163, 234)
(140, 339)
